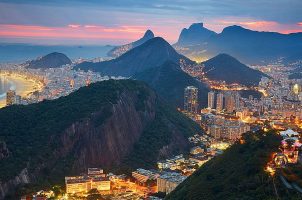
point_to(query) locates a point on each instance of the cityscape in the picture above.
(138, 100)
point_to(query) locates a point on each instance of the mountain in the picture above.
(110, 124)
(150, 54)
(237, 174)
(169, 81)
(194, 35)
(51, 60)
(253, 47)
(226, 68)
(118, 51)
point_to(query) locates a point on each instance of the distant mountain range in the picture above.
(118, 51)
(169, 81)
(52, 60)
(196, 34)
(238, 174)
(226, 68)
(247, 45)
(152, 53)
(109, 124)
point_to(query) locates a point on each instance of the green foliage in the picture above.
(236, 174)
(159, 134)
(32, 132)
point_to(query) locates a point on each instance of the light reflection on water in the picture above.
(5, 85)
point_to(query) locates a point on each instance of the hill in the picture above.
(51, 60)
(250, 46)
(110, 124)
(150, 54)
(169, 81)
(236, 174)
(226, 68)
(118, 51)
(196, 34)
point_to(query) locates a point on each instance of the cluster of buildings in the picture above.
(94, 179)
(228, 101)
(50, 83)
(222, 128)
(290, 151)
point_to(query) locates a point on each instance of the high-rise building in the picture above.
(229, 102)
(237, 101)
(211, 99)
(219, 104)
(191, 99)
(10, 97)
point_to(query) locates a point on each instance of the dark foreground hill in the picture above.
(226, 68)
(169, 80)
(110, 124)
(237, 174)
(118, 51)
(150, 54)
(51, 60)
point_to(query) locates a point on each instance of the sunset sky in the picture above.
(101, 22)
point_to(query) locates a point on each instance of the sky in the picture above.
(101, 22)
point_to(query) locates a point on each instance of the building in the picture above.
(95, 179)
(211, 100)
(168, 181)
(191, 99)
(230, 102)
(10, 97)
(142, 175)
(219, 104)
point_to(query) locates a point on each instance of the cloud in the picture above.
(165, 17)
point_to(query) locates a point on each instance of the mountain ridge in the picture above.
(150, 54)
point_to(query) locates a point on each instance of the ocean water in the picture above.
(23, 52)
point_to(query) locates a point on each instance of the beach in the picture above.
(21, 85)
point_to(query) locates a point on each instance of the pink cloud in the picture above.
(72, 31)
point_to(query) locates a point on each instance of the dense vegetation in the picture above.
(32, 133)
(169, 81)
(226, 68)
(51, 60)
(158, 134)
(236, 174)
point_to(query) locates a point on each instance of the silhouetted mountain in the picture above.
(150, 54)
(226, 68)
(118, 51)
(194, 35)
(237, 174)
(108, 124)
(169, 81)
(249, 46)
(52, 60)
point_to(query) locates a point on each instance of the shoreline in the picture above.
(23, 86)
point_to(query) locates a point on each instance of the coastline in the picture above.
(22, 86)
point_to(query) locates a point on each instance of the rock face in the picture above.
(96, 126)
(196, 34)
(152, 53)
(52, 60)
(118, 51)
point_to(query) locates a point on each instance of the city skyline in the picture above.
(119, 22)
